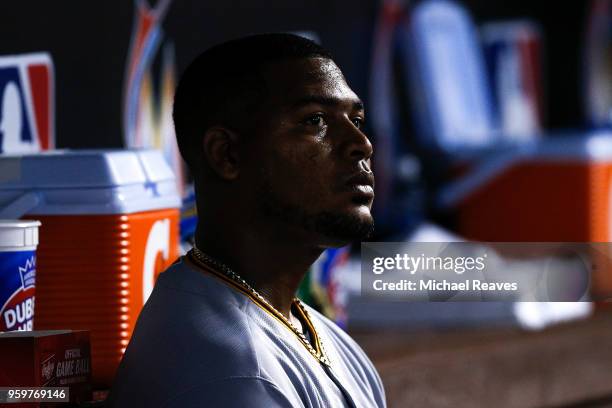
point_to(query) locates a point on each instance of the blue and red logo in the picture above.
(17, 287)
(26, 103)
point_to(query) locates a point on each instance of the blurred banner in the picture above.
(27, 103)
(399, 203)
(453, 106)
(147, 106)
(598, 64)
(513, 52)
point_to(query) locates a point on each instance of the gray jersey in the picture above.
(200, 343)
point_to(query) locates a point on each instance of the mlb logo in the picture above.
(26, 103)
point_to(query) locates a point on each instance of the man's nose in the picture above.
(357, 146)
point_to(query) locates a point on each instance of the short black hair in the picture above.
(224, 83)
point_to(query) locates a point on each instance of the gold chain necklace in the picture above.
(215, 267)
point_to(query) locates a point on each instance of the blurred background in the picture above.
(491, 121)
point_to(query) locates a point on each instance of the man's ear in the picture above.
(220, 146)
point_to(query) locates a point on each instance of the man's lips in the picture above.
(361, 184)
(361, 179)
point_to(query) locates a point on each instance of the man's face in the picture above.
(310, 158)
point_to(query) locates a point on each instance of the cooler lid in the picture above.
(83, 169)
(71, 182)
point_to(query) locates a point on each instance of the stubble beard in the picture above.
(343, 228)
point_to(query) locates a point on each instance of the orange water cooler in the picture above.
(553, 190)
(109, 227)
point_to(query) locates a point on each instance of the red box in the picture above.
(47, 358)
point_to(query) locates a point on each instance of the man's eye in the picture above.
(358, 122)
(315, 120)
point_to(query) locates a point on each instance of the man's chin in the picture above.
(342, 228)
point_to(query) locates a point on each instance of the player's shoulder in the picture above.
(191, 329)
(197, 312)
